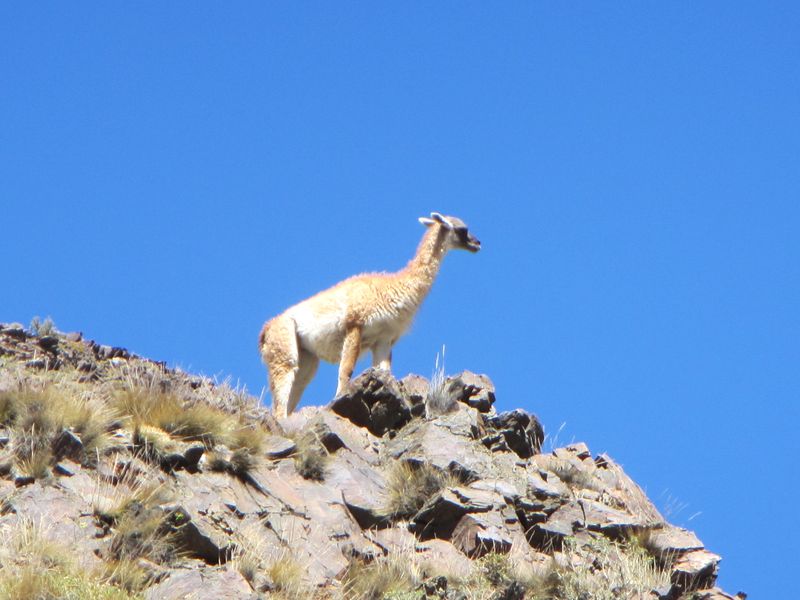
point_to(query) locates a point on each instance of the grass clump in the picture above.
(605, 570)
(39, 420)
(392, 576)
(35, 567)
(310, 456)
(409, 484)
(151, 411)
(286, 574)
(439, 401)
(132, 512)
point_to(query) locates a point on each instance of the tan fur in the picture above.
(367, 312)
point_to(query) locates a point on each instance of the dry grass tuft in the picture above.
(310, 457)
(157, 416)
(287, 576)
(604, 570)
(36, 567)
(410, 484)
(438, 400)
(36, 418)
(392, 576)
(132, 510)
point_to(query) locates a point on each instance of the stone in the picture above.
(472, 389)
(221, 583)
(716, 594)
(696, 569)
(15, 330)
(373, 400)
(478, 534)
(447, 443)
(542, 484)
(192, 456)
(442, 557)
(279, 447)
(69, 445)
(415, 390)
(199, 538)
(439, 516)
(362, 487)
(666, 592)
(518, 431)
(667, 542)
(48, 343)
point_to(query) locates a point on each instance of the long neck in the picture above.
(423, 268)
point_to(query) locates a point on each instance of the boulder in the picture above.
(517, 431)
(362, 487)
(696, 569)
(221, 583)
(668, 542)
(472, 389)
(478, 534)
(374, 400)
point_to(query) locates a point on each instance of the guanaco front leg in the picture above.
(350, 351)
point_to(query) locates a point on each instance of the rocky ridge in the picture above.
(398, 489)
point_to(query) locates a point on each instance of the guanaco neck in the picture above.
(418, 275)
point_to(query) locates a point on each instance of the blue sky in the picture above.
(173, 175)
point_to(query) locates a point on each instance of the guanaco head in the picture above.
(458, 235)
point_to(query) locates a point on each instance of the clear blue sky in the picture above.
(172, 174)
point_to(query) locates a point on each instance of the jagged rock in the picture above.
(447, 443)
(542, 484)
(68, 444)
(374, 400)
(517, 430)
(472, 389)
(199, 538)
(696, 569)
(478, 534)
(48, 342)
(279, 447)
(444, 557)
(59, 514)
(716, 594)
(15, 330)
(192, 455)
(551, 533)
(505, 488)
(666, 592)
(668, 542)
(579, 451)
(439, 516)
(362, 488)
(415, 390)
(221, 583)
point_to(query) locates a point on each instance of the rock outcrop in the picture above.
(215, 498)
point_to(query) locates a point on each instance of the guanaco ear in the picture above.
(441, 219)
(426, 221)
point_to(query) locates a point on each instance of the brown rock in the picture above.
(479, 534)
(363, 488)
(697, 569)
(374, 400)
(472, 389)
(517, 431)
(667, 542)
(221, 583)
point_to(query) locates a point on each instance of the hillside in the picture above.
(122, 478)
